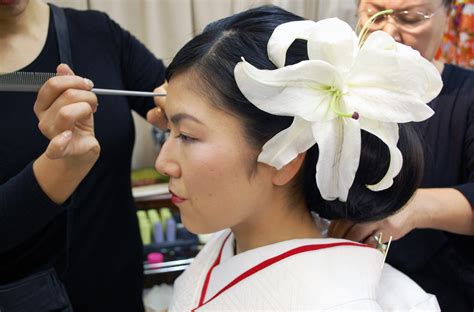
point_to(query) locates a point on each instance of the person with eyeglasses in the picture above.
(434, 232)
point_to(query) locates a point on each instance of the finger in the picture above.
(361, 232)
(61, 146)
(339, 228)
(68, 115)
(54, 87)
(160, 101)
(64, 70)
(162, 89)
(371, 240)
(157, 118)
(64, 118)
(57, 146)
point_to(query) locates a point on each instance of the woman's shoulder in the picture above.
(357, 274)
(92, 21)
(396, 291)
(92, 15)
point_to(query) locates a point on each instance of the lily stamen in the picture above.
(365, 30)
(335, 98)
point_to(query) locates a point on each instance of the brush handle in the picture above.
(125, 92)
(35, 88)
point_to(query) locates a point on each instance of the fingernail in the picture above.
(89, 82)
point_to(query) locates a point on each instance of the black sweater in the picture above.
(104, 267)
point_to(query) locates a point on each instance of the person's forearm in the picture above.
(59, 178)
(445, 209)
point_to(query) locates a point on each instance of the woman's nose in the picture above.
(165, 162)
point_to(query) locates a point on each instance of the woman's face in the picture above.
(425, 37)
(214, 178)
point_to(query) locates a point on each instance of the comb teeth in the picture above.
(23, 81)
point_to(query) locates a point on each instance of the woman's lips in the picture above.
(175, 199)
(7, 2)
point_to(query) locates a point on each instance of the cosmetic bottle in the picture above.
(171, 230)
(158, 232)
(153, 216)
(165, 214)
(145, 227)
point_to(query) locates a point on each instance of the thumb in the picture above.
(64, 70)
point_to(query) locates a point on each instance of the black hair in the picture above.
(213, 54)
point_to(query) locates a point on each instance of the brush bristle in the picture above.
(23, 81)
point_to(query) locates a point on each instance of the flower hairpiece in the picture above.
(345, 86)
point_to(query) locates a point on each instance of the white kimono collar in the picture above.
(232, 267)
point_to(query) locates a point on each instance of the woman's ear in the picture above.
(288, 172)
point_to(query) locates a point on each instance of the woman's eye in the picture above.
(185, 138)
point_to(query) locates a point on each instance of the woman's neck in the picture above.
(26, 21)
(23, 35)
(276, 224)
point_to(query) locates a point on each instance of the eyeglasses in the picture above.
(406, 19)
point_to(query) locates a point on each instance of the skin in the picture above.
(213, 168)
(437, 208)
(23, 31)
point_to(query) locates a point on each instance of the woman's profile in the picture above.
(276, 123)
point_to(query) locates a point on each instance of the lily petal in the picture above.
(427, 81)
(385, 105)
(287, 144)
(333, 41)
(282, 38)
(433, 82)
(400, 83)
(339, 154)
(388, 133)
(296, 90)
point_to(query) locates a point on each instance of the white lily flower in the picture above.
(343, 88)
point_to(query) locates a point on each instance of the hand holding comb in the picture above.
(32, 82)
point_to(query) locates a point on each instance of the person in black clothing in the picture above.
(434, 232)
(69, 235)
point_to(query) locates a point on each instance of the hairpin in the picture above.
(380, 246)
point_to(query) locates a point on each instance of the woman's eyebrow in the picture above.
(176, 119)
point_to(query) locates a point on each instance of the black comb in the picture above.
(32, 82)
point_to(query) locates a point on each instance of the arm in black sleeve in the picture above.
(24, 209)
(141, 69)
(467, 189)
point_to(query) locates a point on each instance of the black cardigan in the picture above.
(104, 271)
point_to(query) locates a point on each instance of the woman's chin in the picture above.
(198, 229)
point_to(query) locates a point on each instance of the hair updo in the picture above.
(213, 54)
